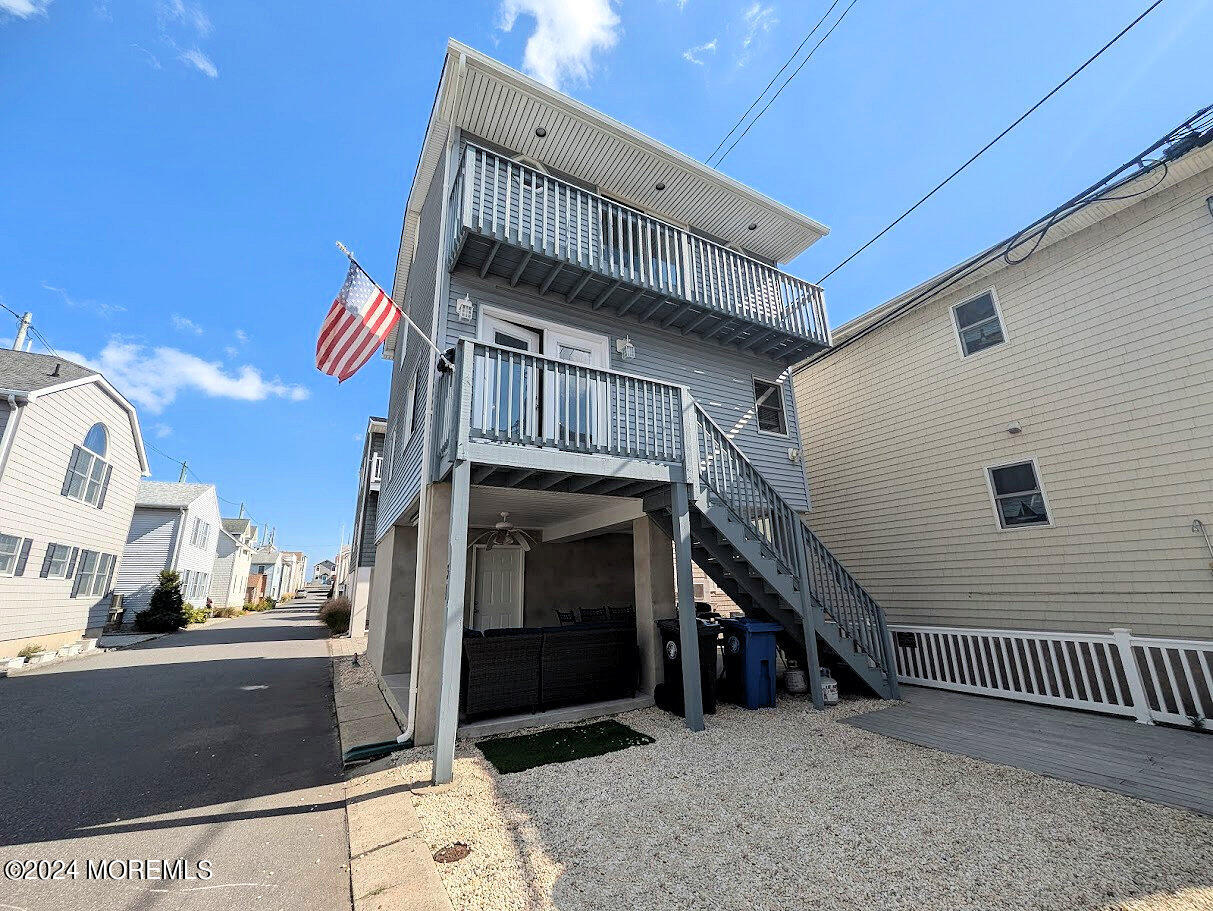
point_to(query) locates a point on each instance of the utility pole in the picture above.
(22, 328)
(241, 516)
(185, 467)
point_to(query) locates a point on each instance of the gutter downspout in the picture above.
(10, 428)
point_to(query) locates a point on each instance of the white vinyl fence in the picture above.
(1167, 680)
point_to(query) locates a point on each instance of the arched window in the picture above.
(88, 474)
(97, 440)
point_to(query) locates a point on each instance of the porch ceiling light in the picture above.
(503, 534)
(753, 226)
(541, 132)
(659, 186)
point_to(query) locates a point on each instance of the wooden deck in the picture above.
(1159, 764)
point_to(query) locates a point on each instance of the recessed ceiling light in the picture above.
(541, 132)
(659, 186)
(753, 226)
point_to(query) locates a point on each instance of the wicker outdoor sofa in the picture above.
(512, 671)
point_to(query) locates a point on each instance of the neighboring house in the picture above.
(324, 572)
(71, 457)
(175, 526)
(341, 570)
(267, 561)
(362, 547)
(1024, 443)
(620, 338)
(233, 559)
(255, 590)
(297, 575)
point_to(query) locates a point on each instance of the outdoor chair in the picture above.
(593, 614)
(566, 617)
(622, 614)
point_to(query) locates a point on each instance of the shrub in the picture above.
(194, 614)
(166, 610)
(335, 614)
(263, 604)
(227, 612)
(34, 648)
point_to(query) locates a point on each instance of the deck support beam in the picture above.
(581, 283)
(526, 259)
(551, 276)
(488, 260)
(657, 305)
(688, 628)
(675, 316)
(602, 298)
(482, 472)
(629, 303)
(447, 722)
(694, 324)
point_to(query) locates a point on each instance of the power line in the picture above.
(1022, 117)
(795, 72)
(32, 328)
(786, 64)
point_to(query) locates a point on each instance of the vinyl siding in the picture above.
(720, 378)
(1108, 368)
(32, 506)
(149, 549)
(230, 578)
(401, 486)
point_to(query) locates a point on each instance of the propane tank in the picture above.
(795, 679)
(829, 688)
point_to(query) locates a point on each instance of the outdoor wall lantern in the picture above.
(625, 348)
(464, 309)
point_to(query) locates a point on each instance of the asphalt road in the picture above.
(215, 744)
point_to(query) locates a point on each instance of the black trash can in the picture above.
(669, 694)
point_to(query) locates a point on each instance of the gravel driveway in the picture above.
(787, 809)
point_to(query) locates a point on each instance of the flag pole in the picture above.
(442, 357)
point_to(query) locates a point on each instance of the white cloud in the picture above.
(98, 307)
(200, 62)
(695, 54)
(241, 336)
(566, 36)
(152, 60)
(758, 20)
(193, 17)
(152, 378)
(185, 325)
(23, 9)
(230, 351)
(162, 430)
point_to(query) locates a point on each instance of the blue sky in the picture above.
(175, 173)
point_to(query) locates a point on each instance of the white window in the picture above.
(10, 550)
(979, 324)
(88, 473)
(93, 574)
(1019, 499)
(55, 565)
(200, 533)
(769, 406)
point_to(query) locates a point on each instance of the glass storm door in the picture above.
(508, 396)
(576, 408)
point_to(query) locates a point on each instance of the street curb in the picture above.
(391, 867)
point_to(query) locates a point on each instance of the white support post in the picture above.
(461, 389)
(1124, 644)
(452, 635)
(688, 632)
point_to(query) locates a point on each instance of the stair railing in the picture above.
(726, 472)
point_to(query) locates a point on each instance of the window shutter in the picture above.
(109, 576)
(105, 485)
(46, 561)
(71, 466)
(76, 584)
(71, 562)
(23, 557)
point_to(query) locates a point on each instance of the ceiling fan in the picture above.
(504, 534)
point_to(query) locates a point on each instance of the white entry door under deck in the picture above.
(497, 587)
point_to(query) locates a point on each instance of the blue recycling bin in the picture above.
(749, 661)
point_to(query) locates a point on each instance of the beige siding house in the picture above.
(1032, 448)
(233, 557)
(71, 457)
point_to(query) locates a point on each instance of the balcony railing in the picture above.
(511, 203)
(516, 397)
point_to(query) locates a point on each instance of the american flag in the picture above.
(355, 327)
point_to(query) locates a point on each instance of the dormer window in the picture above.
(88, 474)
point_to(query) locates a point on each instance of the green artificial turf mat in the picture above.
(527, 751)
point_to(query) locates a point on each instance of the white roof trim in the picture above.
(109, 390)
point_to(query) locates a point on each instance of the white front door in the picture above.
(497, 588)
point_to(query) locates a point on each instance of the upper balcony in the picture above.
(523, 225)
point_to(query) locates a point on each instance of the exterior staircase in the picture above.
(752, 544)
